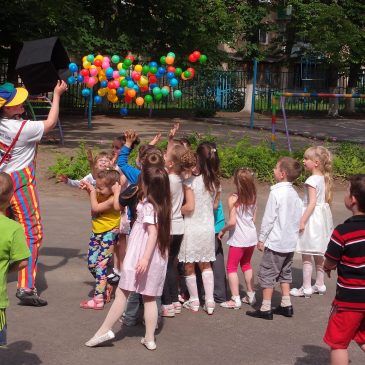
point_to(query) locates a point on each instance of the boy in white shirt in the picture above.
(278, 238)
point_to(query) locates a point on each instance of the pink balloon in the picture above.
(93, 71)
(116, 74)
(86, 79)
(116, 83)
(105, 65)
(92, 81)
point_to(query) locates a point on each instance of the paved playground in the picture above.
(55, 335)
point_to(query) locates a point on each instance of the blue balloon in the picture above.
(128, 78)
(153, 64)
(174, 82)
(71, 80)
(98, 99)
(123, 111)
(80, 78)
(103, 83)
(120, 90)
(170, 75)
(158, 75)
(85, 92)
(130, 84)
(109, 72)
(73, 67)
(161, 70)
(152, 86)
(136, 87)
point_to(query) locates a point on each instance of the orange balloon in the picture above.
(139, 101)
(170, 60)
(183, 77)
(131, 93)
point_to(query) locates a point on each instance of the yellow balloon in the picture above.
(143, 80)
(101, 92)
(113, 99)
(99, 57)
(119, 66)
(102, 77)
(84, 59)
(86, 64)
(138, 68)
(112, 92)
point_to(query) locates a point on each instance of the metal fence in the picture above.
(217, 90)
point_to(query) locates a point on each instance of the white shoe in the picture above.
(189, 305)
(150, 345)
(95, 341)
(319, 289)
(251, 300)
(237, 303)
(301, 292)
(209, 306)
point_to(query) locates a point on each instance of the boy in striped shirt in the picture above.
(346, 252)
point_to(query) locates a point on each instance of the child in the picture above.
(346, 252)
(242, 236)
(13, 248)
(105, 225)
(202, 193)
(101, 162)
(316, 224)
(145, 263)
(174, 168)
(279, 235)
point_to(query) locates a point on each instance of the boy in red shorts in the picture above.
(346, 252)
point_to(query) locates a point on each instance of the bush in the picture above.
(349, 158)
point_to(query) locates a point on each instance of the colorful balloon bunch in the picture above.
(120, 80)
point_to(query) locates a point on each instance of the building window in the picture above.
(263, 37)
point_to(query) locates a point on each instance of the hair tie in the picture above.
(213, 150)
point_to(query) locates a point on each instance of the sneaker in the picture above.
(301, 292)
(30, 297)
(177, 307)
(319, 289)
(167, 310)
(113, 278)
(150, 345)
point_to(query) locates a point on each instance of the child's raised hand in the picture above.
(89, 154)
(141, 266)
(116, 188)
(60, 88)
(62, 178)
(84, 185)
(155, 139)
(173, 130)
(130, 137)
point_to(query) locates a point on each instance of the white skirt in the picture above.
(317, 232)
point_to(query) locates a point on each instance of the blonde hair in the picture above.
(176, 154)
(324, 157)
(110, 176)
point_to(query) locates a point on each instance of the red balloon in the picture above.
(128, 99)
(191, 70)
(191, 58)
(144, 88)
(111, 85)
(196, 54)
(152, 79)
(130, 57)
(137, 77)
(171, 69)
(84, 72)
(98, 63)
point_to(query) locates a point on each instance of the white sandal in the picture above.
(192, 307)
(95, 341)
(236, 303)
(150, 345)
(209, 306)
(249, 300)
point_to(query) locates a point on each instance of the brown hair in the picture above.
(146, 150)
(101, 155)
(324, 157)
(176, 154)
(208, 165)
(156, 185)
(291, 167)
(246, 188)
(110, 176)
(6, 189)
(188, 160)
(357, 190)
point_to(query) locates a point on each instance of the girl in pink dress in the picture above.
(145, 263)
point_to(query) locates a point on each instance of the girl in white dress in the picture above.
(316, 224)
(202, 193)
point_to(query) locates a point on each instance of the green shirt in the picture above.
(13, 248)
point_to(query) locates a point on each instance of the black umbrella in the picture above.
(41, 63)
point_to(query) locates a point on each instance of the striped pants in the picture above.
(24, 209)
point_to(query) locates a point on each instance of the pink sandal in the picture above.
(93, 303)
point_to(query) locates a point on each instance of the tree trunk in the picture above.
(248, 97)
(351, 87)
(332, 86)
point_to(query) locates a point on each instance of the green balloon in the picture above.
(203, 58)
(171, 54)
(90, 58)
(187, 74)
(153, 70)
(158, 97)
(148, 99)
(115, 59)
(127, 61)
(156, 90)
(122, 72)
(164, 91)
(163, 60)
(178, 71)
(125, 66)
(145, 69)
(124, 82)
(177, 94)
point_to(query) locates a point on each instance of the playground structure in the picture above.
(283, 95)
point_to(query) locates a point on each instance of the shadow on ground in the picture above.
(17, 353)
